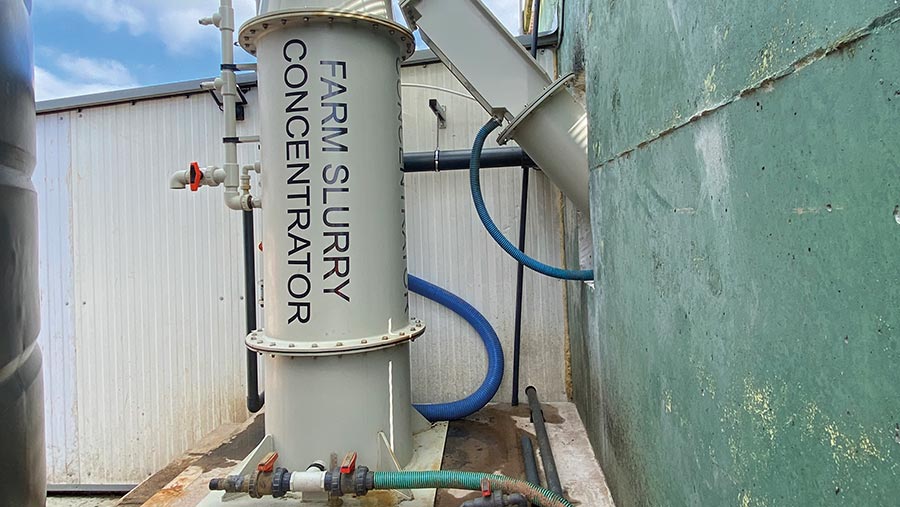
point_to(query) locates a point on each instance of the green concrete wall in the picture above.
(742, 345)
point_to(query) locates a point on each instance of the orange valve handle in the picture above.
(196, 175)
(268, 462)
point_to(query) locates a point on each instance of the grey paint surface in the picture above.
(22, 462)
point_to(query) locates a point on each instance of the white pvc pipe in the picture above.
(229, 104)
(309, 481)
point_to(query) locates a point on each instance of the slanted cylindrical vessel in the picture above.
(337, 316)
(22, 462)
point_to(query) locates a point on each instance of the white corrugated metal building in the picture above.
(142, 286)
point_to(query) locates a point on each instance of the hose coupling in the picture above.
(256, 485)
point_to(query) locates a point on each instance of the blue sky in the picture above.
(90, 46)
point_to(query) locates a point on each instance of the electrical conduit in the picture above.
(478, 198)
(537, 495)
(477, 400)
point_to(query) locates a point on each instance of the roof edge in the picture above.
(248, 79)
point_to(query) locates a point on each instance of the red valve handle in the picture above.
(196, 175)
(349, 463)
(268, 462)
(486, 488)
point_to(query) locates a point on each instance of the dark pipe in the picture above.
(520, 282)
(89, 489)
(535, 26)
(423, 161)
(537, 417)
(498, 499)
(255, 399)
(523, 217)
(531, 472)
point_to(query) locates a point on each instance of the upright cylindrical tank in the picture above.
(337, 315)
(22, 461)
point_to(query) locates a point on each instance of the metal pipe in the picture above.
(255, 399)
(531, 472)
(498, 499)
(540, 429)
(520, 282)
(450, 160)
(523, 218)
(89, 489)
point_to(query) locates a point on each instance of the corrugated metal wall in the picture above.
(449, 246)
(142, 290)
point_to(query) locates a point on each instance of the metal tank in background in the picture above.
(22, 459)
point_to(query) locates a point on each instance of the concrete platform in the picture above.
(486, 442)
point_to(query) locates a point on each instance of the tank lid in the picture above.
(261, 25)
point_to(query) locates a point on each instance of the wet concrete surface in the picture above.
(218, 454)
(489, 441)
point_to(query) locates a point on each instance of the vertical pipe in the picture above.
(540, 428)
(523, 216)
(531, 472)
(520, 281)
(255, 399)
(229, 105)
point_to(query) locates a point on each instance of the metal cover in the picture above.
(258, 26)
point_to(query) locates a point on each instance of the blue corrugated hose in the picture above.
(475, 183)
(474, 402)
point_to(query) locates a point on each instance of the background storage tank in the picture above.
(22, 462)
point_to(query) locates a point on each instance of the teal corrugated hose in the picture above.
(537, 495)
(475, 184)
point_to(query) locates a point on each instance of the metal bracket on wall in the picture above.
(239, 107)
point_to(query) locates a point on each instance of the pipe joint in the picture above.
(215, 84)
(498, 499)
(208, 177)
(357, 481)
(215, 19)
(226, 17)
(241, 202)
(179, 180)
(233, 199)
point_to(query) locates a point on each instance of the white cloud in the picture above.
(108, 13)
(77, 75)
(173, 22)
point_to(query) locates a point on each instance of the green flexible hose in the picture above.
(468, 480)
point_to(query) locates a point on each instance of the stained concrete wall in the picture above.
(742, 344)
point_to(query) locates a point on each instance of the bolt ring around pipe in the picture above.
(553, 89)
(259, 26)
(260, 342)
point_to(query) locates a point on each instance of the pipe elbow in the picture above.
(179, 180)
(239, 201)
(233, 199)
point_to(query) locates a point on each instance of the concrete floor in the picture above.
(79, 501)
(486, 442)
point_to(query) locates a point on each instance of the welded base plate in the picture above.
(428, 454)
